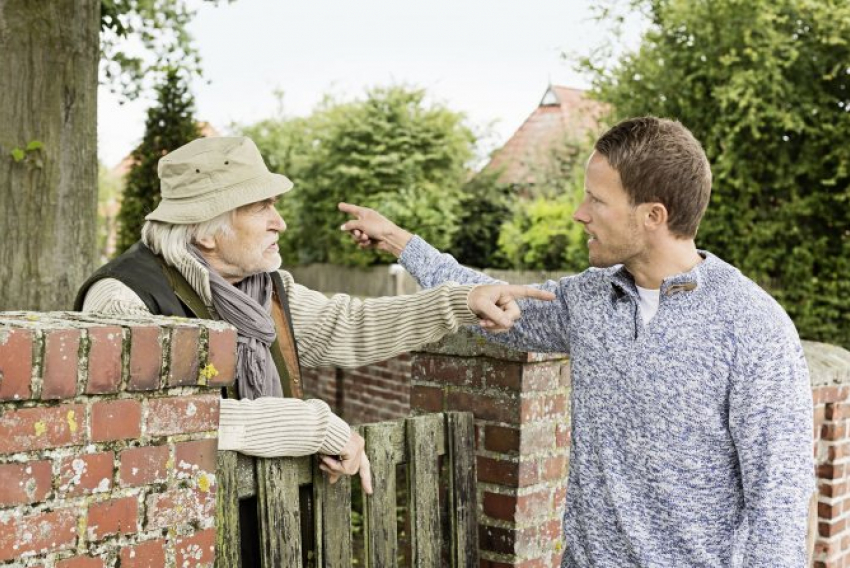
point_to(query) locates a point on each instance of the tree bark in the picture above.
(49, 52)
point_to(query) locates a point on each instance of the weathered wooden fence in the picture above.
(421, 443)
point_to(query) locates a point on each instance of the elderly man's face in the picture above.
(251, 246)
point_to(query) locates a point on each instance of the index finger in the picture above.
(351, 209)
(366, 475)
(518, 291)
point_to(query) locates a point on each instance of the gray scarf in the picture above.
(247, 307)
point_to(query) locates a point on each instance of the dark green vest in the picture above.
(165, 292)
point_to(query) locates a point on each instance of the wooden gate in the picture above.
(418, 443)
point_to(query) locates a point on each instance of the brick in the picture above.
(502, 439)
(179, 506)
(541, 376)
(837, 452)
(42, 533)
(832, 489)
(507, 473)
(222, 355)
(197, 550)
(428, 399)
(116, 420)
(61, 348)
(547, 406)
(832, 528)
(830, 471)
(822, 395)
(25, 483)
(509, 541)
(81, 562)
(168, 416)
(553, 468)
(486, 407)
(183, 364)
(84, 474)
(105, 365)
(15, 364)
(836, 411)
(30, 429)
(145, 358)
(149, 554)
(534, 505)
(141, 466)
(195, 457)
(448, 371)
(112, 517)
(498, 506)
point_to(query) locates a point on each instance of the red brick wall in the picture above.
(367, 394)
(108, 439)
(830, 368)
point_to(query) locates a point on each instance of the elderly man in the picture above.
(209, 250)
(691, 402)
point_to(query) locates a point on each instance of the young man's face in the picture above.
(251, 246)
(608, 216)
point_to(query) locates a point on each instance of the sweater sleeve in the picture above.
(349, 332)
(770, 419)
(273, 427)
(111, 296)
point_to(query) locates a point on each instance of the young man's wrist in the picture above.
(397, 241)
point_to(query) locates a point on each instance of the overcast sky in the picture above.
(490, 59)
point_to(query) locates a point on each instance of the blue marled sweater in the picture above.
(692, 436)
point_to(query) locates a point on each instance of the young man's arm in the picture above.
(770, 418)
(544, 326)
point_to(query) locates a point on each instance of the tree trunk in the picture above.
(49, 52)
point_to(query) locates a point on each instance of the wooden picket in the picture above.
(417, 442)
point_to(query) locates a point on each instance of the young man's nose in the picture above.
(580, 215)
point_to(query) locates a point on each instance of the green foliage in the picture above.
(389, 151)
(170, 124)
(541, 234)
(484, 206)
(141, 40)
(765, 85)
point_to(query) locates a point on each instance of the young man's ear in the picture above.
(656, 216)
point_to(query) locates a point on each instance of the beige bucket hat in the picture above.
(210, 176)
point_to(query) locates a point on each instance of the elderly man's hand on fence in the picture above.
(352, 459)
(370, 229)
(496, 306)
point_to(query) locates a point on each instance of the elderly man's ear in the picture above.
(206, 244)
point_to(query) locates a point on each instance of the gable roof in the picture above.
(562, 112)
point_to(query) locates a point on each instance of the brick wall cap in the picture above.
(466, 344)
(828, 364)
(81, 320)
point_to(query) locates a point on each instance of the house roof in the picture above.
(563, 112)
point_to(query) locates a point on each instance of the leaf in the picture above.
(17, 154)
(34, 145)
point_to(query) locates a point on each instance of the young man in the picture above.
(209, 250)
(691, 402)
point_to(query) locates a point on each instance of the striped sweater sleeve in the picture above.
(110, 296)
(348, 332)
(269, 427)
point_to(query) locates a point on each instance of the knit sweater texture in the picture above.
(340, 331)
(691, 436)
